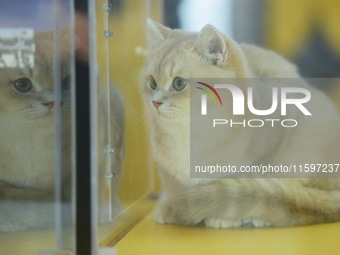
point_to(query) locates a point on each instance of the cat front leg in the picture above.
(172, 207)
(175, 211)
(164, 213)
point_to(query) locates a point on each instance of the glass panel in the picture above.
(37, 118)
(36, 145)
(124, 167)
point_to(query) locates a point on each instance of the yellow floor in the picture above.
(150, 238)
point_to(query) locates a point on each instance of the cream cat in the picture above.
(27, 155)
(175, 57)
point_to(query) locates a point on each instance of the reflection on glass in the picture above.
(28, 130)
(36, 84)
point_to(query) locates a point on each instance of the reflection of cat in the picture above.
(175, 57)
(27, 143)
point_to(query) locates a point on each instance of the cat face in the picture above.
(175, 57)
(27, 93)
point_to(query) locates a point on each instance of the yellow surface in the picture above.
(26, 243)
(150, 238)
(111, 233)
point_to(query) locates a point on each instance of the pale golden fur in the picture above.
(27, 155)
(233, 202)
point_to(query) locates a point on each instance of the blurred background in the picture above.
(307, 32)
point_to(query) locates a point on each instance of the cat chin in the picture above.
(166, 118)
(40, 117)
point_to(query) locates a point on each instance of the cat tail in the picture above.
(308, 205)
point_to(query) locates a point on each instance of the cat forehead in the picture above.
(39, 70)
(171, 48)
(168, 62)
(11, 74)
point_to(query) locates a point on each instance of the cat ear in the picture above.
(156, 32)
(212, 45)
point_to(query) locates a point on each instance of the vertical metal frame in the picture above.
(85, 176)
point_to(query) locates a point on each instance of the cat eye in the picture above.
(153, 84)
(179, 83)
(66, 83)
(22, 85)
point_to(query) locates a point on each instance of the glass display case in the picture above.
(75, 169)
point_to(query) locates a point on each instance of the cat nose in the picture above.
(49, 105)
(157, 104)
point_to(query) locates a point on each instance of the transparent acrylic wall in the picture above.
(38, 153)
(36, 141)
(124, 167)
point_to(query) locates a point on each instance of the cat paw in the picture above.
(164, 213)
(260, 223)
(219, 223)
(247, 223)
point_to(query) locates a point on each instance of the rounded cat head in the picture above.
(27, 93)
(175, 57)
